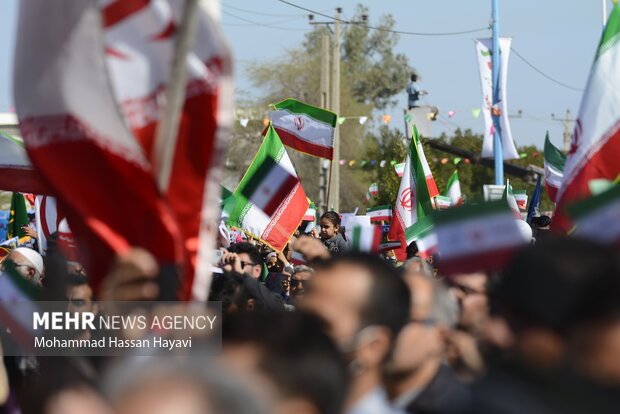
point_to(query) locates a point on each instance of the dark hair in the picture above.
(414, 77)
(412, 250)
(388, 302)
(295, 353)
(332, 217)
(245, 247)
(74, 279)
(557, 284)
(541, 221)
(226, 288)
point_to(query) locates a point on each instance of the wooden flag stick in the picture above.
(168, 126)
(329, 186)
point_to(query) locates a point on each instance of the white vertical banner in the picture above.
(484, 52)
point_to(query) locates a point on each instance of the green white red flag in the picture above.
(18, 217)
(521, 199)
(476, 237)
(380, 213)
(430, 181)
(368, 239)
(276, 229)
(373, 190)
(423, 234)
(311, 212)
(413, 201)
(595, 143)
(269, 185)
(598, 218)
(453, 190)
(554, 168)
(443, 202)
(399, 168)
(304, 127)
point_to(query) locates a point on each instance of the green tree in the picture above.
(371, 75)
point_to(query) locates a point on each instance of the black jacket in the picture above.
(445, 394)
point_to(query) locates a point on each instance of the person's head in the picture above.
(273, 263)
(27, 262)
(414, 77)
(470, 290)
(419, 265)
(80, 294)
(300, 279)
(251, 260)
(240, 292)
(330, 225)
(433, 313)
(559, 300)
(365, 304)
(172, 385)
(412, 250)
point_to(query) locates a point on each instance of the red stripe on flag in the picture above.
(23, 180)
(488, 261)
(376, 238)
(45, 228)
(121, 9)
(286, 219)
(602, 162)
(280, 195)
(293, 141)
(397, 232)
(380, 218)
(432, 187)
(552, 191)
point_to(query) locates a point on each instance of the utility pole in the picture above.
(335, 107)
(567, 128)
(495, 59)
(323, 184)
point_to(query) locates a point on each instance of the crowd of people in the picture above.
(349, 332)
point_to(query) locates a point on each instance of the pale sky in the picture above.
(559, 37)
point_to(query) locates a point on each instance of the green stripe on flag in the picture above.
(357, 238)
(424, 204)
(378, 208)
(611, 35)
(592, 204)
(470, 211)
(419, 229)
(553, 155)
(296, 107)
(10, 138)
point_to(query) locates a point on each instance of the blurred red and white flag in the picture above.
(140, 40)
(68, 91)
(49, 220)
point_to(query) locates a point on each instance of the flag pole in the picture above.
(604, 10)
(168, 126)
(329, 186)
(495, 59)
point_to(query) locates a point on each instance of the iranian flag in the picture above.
(453, 190)
(372, 190)
(443, 202)
(76, 136)
(477, 237)
(413, 201)
(304, 127)
(269, 185)
(430, 181)
(521, 199)
(423, 234)
(595, 146)
(399, 168)
(276, 229)
(380, 213)
(598, 218)
(510, 199)
(140, 38)
(366, 238)
(554, 168)
(16, 171)
(311, 212)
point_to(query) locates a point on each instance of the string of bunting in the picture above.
(363, 119)
(383, 163)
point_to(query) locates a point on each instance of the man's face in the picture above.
(163, 396)
(299, 282)
(273, 265)
(338, 295)
(420, 339)
(248, 266)
(22, 265)
(80, 298)
(471, 293)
